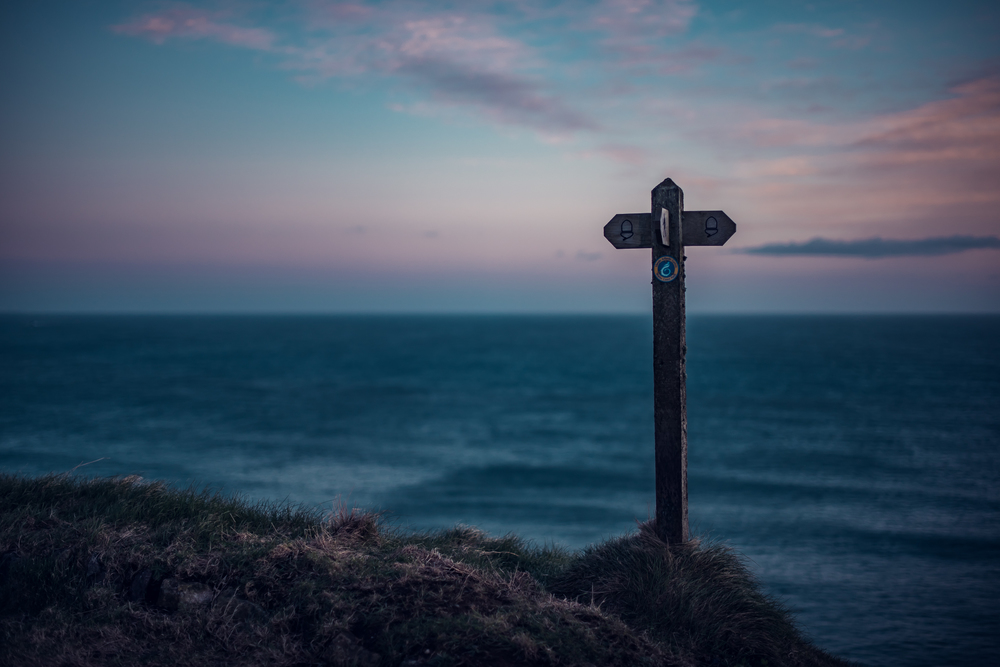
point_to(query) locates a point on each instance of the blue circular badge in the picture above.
(665, 269)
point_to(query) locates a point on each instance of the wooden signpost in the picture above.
(667, 228)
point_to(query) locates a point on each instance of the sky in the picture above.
(463, 157)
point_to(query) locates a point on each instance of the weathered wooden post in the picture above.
(667, 228)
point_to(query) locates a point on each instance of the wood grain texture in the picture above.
(669, 374)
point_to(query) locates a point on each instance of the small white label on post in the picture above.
(665, 226)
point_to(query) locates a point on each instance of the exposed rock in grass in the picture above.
(123, 571)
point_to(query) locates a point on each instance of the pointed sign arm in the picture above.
(707, 227)
(633, 230)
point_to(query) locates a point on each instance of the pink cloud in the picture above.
(931, 170)
(943, 155)
(456, 37)
(635, 33)
(459, 59)
(633, 20)
(184, 22)
(966, 126)
(464, 61)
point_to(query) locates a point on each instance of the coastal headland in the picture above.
(121, 571)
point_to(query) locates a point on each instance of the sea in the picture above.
(854, 461)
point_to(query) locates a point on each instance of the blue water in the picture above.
(853, 460)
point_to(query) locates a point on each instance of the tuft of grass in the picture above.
(119, 571)
(702, 599)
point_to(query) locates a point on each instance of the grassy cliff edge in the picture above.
(119, 572)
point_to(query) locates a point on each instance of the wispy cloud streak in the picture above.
(184, 22)
(875, 248)
(500, 63)
(459, 58)
(508, 99)
(615, 79)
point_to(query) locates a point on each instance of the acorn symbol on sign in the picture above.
(626, 230)
(711, 227)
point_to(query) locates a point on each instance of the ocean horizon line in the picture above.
(485, 313)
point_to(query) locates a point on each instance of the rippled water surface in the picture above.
(853, 460)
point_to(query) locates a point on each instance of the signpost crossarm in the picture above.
(669, 372)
